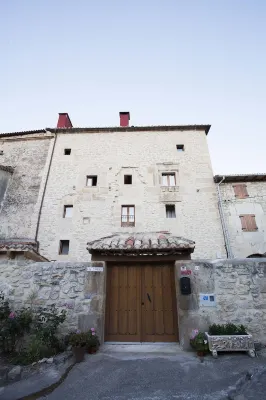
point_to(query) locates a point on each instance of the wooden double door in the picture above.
(141, 303)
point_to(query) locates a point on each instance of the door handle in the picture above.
(149, 297)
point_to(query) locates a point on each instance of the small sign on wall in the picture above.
(95, 269)
(207, 299)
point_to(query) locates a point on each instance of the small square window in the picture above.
(1, 152)
(128, 179)
(67, 152)
(168, 179)
(170, 211)
(180, 147)
(92, 180)
(64, 247)
(68, 210)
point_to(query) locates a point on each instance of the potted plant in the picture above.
(199, 343)
(229, 337)
(79, 343)
(93, 341)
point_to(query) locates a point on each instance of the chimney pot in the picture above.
(64, 121)
(124, 118)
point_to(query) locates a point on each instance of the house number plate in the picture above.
(95, 269)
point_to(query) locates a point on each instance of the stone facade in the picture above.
(67, 285)
(22, 189)
(237, 286)
(244, 244)
(145, 155)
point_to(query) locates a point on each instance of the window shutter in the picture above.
(248, 223)
(243, 222)
(240, 191)
(252, 222)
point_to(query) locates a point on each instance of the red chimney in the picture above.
(64, 121)
(124, 118)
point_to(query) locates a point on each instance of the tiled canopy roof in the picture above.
(141, 243)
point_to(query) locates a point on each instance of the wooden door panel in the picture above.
(140, 303)
(123, 302)
(159, 319)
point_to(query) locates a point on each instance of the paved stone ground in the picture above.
(157, 376)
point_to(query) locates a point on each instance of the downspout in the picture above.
(224, 225)
(43, 194)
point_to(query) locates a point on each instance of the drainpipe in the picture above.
(224, 225)
(43, 194)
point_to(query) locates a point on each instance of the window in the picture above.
(92, 180)
(67, 152)
(240, 191)
(1, 152)
(128, 216)
(180, 147)
(248, 223)
(68, 210)
(170, 210)
(128, 179)
(64, 247)
(168, 179)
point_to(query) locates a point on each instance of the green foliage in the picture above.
(46, 323)
(79, 339)
(199, 342)
(13, 325)
(35, 350)
(36, 331)
(93, 340)
(227, 329)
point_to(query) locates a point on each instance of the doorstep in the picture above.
(146, 348)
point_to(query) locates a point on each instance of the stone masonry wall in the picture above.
(145, 156)
(243, 243)
(239, 287)
(67, 285)
(29, 157)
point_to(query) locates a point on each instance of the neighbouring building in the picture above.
(243, 200)
(130, 219)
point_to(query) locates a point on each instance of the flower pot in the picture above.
(79, 353)
(92, 350)
(231, 343)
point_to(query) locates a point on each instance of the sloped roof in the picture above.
(204, 127)
(141, 243)
(240, 178)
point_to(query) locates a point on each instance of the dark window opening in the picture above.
(128, 179)
(180, 147)
(170, 211)
(67, 152)
(1, 152)
(92, 180)
(128, 216)
(64, 247)
(68, 210)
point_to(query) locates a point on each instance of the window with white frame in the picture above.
(128, 216)
(168, 179)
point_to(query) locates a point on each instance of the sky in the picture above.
(168, 62)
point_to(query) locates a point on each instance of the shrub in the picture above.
(227, 329)
(93, 340)
(36, 330)
(199, 342)
(79, 339)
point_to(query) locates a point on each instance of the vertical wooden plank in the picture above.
(147, 319)
(113, 299)
(123, 301)
(158, 300)
(132, 300)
